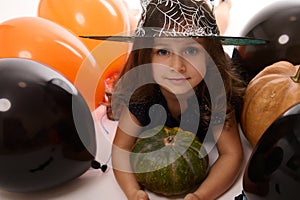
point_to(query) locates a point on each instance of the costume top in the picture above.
(155, 112)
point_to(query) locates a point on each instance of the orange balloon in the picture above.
(49, 43)
(111, 73)
(87, 17)
(111, 57)
(94, 17)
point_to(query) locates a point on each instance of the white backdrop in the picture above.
(241, 12)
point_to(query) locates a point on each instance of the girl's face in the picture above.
(178, 64)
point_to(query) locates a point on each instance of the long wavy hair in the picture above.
(126, 90)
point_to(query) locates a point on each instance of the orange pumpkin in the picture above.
(268, 95)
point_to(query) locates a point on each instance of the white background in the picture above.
(241, 12)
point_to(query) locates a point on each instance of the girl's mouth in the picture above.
(178, 80)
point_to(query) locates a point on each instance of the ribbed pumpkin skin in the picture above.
(269, 94)
(172, 162)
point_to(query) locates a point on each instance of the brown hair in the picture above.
(234, 85)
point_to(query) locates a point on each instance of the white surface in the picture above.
(95, 185)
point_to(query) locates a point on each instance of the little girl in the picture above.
(179, 76)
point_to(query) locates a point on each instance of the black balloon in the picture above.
(47, 134)
(273, 170)
(279, 24)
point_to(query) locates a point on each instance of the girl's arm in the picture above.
(124, 140)
(226, 169)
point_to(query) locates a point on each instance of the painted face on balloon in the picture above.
(47, 131)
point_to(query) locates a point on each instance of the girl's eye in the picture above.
(162, 52)
(191, 51)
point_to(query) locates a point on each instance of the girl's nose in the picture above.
(178, 63)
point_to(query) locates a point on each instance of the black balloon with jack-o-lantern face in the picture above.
(273, 170)
(47, 134)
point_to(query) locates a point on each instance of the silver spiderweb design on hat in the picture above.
(181, 18)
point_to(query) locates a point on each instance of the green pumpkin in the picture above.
(169, 161)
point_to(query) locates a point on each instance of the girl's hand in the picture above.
(191, 196)
(140, 195)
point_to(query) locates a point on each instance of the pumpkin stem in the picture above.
(169, 140)
(296, 78)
